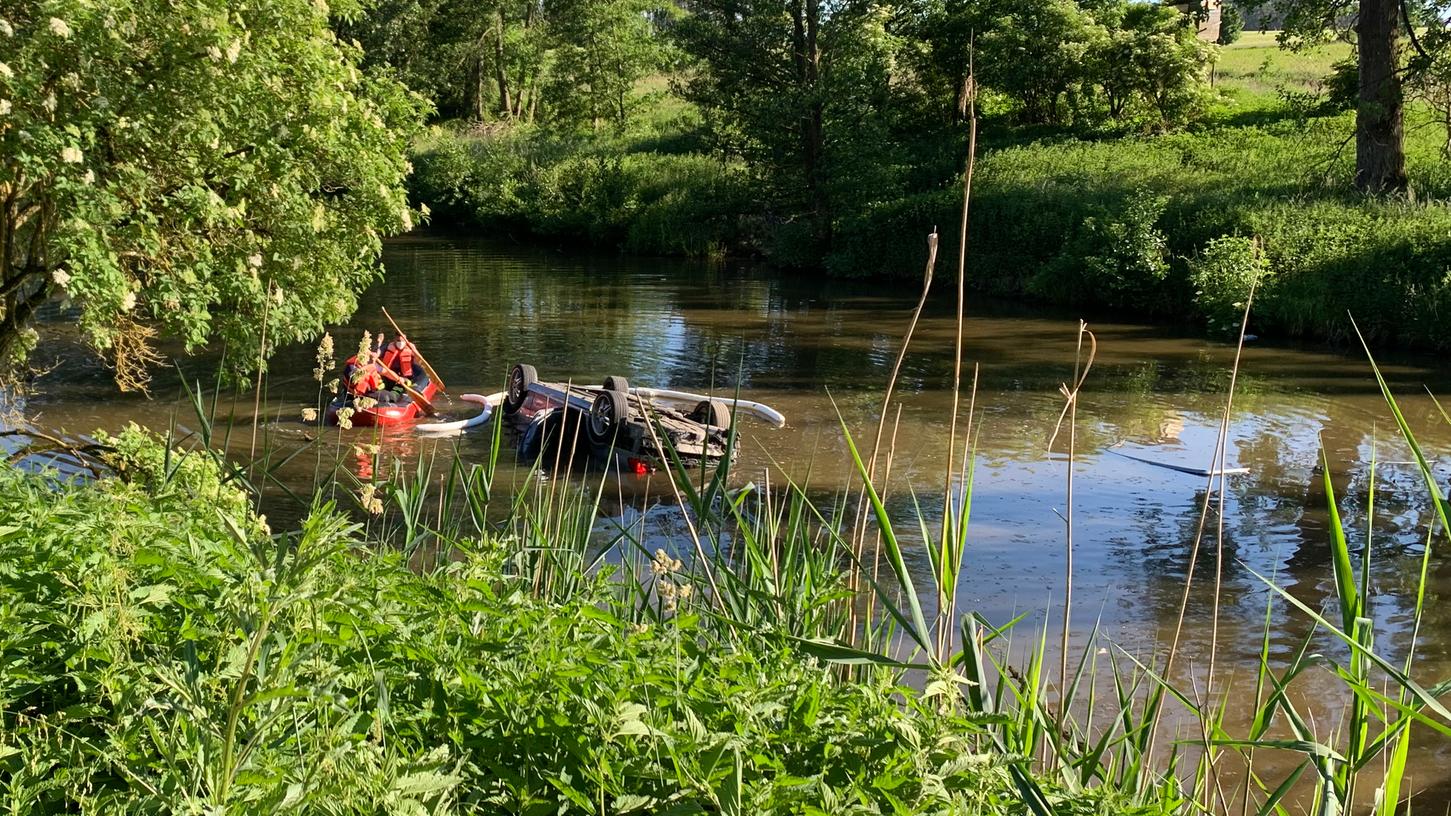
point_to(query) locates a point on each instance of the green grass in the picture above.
(1255, 65)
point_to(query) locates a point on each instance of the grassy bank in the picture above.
(166, 652)
(1095, 219)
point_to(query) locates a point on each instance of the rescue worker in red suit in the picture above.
(361, 378)
(398, 357)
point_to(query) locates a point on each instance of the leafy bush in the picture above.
(1115, 258)
(1223, 275)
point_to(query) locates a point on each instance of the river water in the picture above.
(813, 348)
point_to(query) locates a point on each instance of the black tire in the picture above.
(714, 413)
(606, 417)
(614, 383)
(521, 376)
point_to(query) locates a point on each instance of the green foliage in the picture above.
(1162, 61)
(1223, 275)
(601, 193)
(1342, 87)
(1037, 52)
(601, 49)
(1114, 258)
(1231, 24)
(137, 457)
(199, 171)
(164, 653)
(569, 62)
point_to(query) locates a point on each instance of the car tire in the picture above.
(521, 376)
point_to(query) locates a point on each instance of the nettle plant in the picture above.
(214, 171)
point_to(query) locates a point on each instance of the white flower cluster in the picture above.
(368, 497)
(671, 589)
(324, 357)
(59, 28)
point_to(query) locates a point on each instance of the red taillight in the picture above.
(639, 467)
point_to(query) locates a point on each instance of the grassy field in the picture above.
(1255, 64)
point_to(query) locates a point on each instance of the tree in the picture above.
(1231, 24)
(1038, 52)
(1163, 61)
(759, 79)
(208, 171)
(1375, 27)
(474, 60)
(601, 48)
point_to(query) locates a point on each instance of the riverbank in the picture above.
(1159, 225)
(164, 649)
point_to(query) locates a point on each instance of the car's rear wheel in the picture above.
(714, 413)
(606, 416)
(521, 376)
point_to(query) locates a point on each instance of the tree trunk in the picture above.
(813, 138)
(500, 75)
(476, 106)
(1380, 151)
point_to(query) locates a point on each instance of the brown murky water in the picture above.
(799, 345)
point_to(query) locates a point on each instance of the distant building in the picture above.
(1208, 13)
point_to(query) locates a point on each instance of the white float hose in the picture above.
(489, 403)
(756, 409)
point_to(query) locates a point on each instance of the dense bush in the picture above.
(595, 193)
(1115, 258)
(1223, 276)
(165, 652)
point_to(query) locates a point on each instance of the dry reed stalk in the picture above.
(1070, 412)
(859, 528)
(1220, 446)
(970, 102)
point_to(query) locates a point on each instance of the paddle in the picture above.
(418, 398)
(428, 369)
